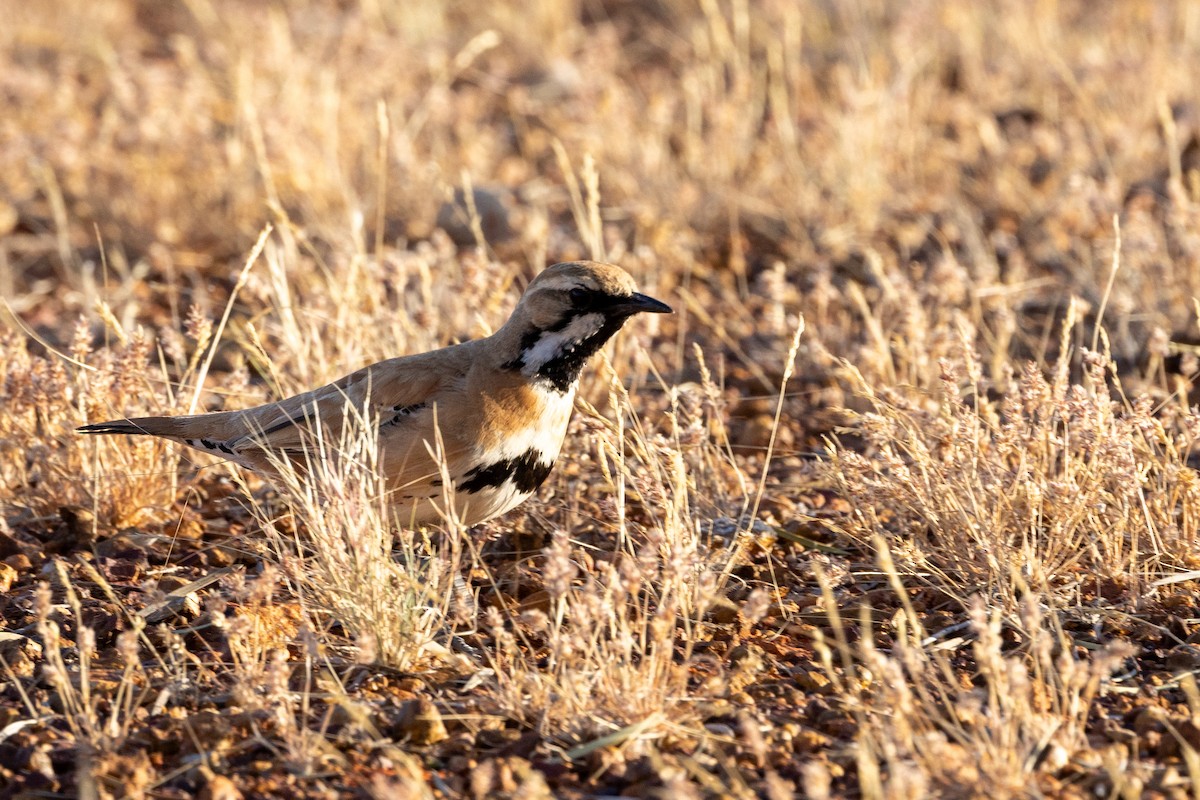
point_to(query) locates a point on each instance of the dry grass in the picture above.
(942, 544)
(1047, 486)
(346, 554)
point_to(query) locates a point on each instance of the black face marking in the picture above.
(529, 339)
(583, 298)
(563, 370)
(527, 472)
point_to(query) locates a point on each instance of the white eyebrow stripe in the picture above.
(560, 282)
(552, 344)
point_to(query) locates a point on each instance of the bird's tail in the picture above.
(149, 426)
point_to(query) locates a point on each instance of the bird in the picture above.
(490, 414)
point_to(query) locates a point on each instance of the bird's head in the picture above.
(567, 313)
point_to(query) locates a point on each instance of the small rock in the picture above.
(20, 653)
(810, 741)
(20, 562)
(418, 722)
(189, 526)
(218, 557)
(121, 547)
(121, 570)
(812, 680)
(220, 788)
(1183, 658)
(170, 583)
(1149, 719)
(77, 531)
(493, 207)
(747, 657)
(80, 521)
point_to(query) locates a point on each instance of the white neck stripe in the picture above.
(552, 344)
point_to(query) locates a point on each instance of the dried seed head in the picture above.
(755, 607)
(127, 648)
(559, 570)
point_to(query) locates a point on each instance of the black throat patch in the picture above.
(527, 472)
(561, 371)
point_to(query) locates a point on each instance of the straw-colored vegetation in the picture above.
(902, 502)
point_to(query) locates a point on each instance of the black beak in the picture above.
(637, 303)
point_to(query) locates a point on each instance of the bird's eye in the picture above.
(580, 298)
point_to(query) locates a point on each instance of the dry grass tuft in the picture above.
(1040, 489)
(45, 466)
(353, 561)
(605, 654)
(923, 731)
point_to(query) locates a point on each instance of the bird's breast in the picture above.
(517, 419)
(500, 444)
(522, 433)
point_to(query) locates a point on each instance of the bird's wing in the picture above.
(380, 395)
(414, 402)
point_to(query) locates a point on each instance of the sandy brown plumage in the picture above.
(500, 404)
